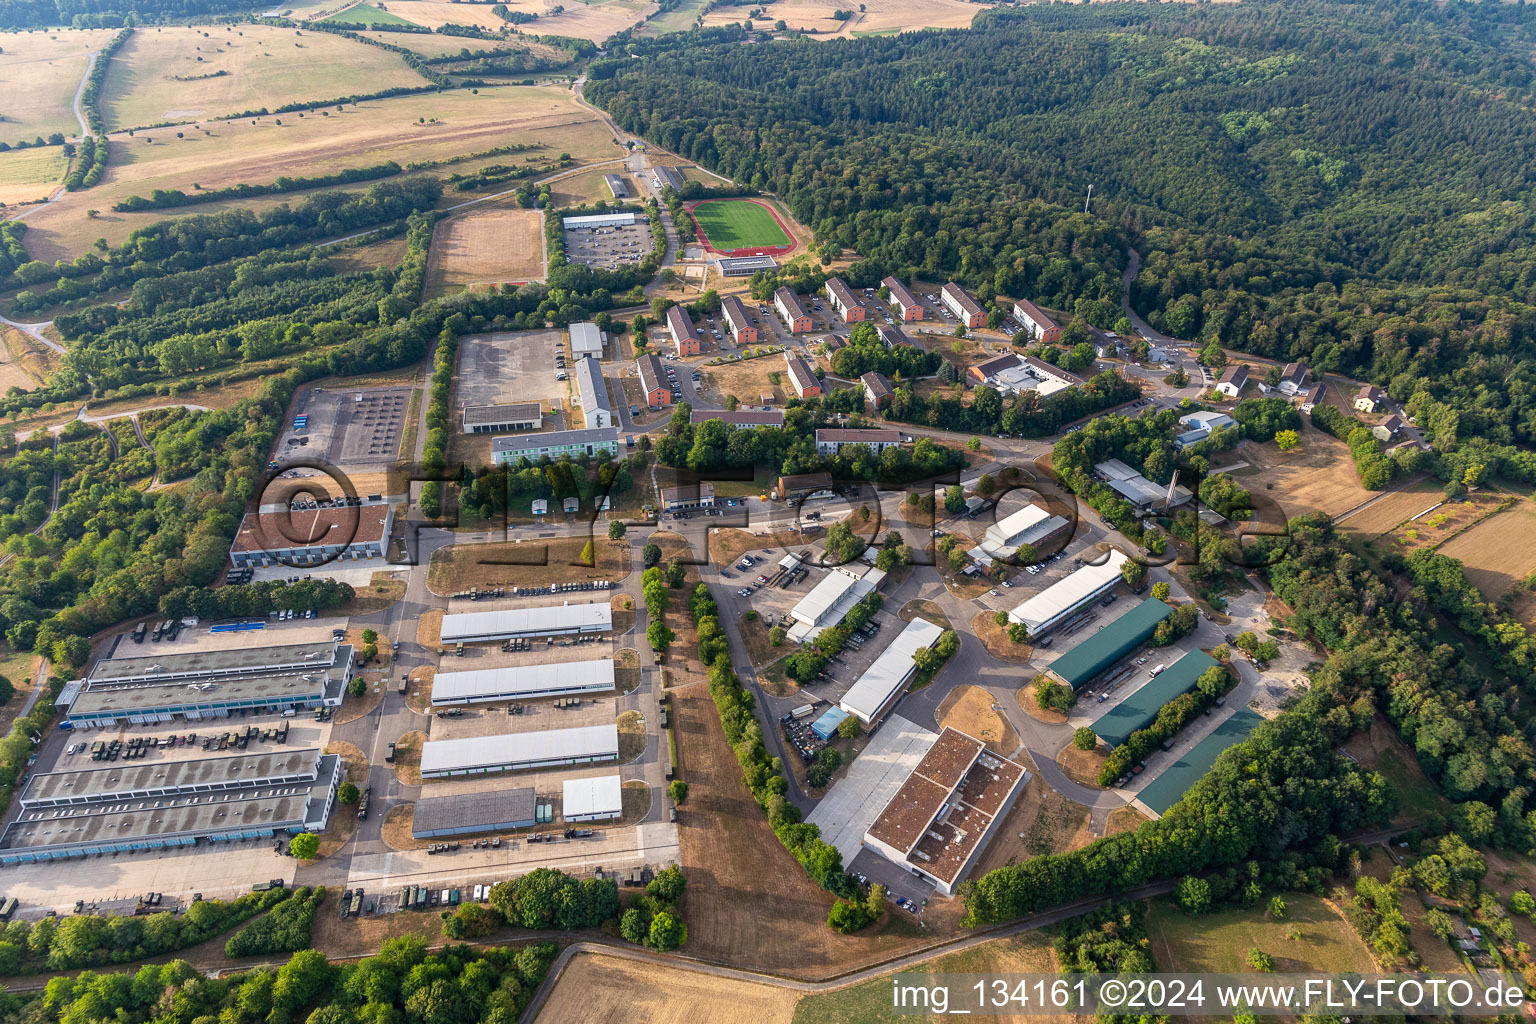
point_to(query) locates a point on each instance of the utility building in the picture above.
(519, 751)
(551, 620)
(498, 419)
(595, 799)
(522, 682)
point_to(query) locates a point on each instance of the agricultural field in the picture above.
(608, 990)
(39, 75)
(365, 14)
(427, 13)
(1498, 552)
(487, 245)
(173, 74)
(730, 225)
(680, 19)
(258, 150)
(1310, 937)
(878, 18)
(593, 19)
(30, 175)
(1318, 476)
(1389, 509)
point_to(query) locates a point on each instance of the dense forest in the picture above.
(1341, 182)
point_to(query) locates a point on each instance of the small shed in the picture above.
(826, 725)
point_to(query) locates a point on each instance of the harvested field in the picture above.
(1317, 476)
(748, 380)
(173, 74)
(972, 710)
(39, 73)
(749, 903)
(387, 253)
(1390, 509)
(486, 246)
(607, 990)
(464, 566)
(31, 175)
(1498, 552)
(365, 14)
(1311, 937)
(427, 13)
(1433, 528)
(882, 17)
(258, 150)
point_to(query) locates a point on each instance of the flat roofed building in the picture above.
(1057, 602)
(1098, 653)
(948, 810)
(653, 381)
(802, 485)
(145, 779)
(202, 665)
(1030, 525)
(907, 306)
(302, 537)
(877, 389)
(740, 419)
(886, 678)
(792, 311)
(602, 220)
(959, 302)
(496, 419)
(1114, 469)
(686, 497)
(984, 371)
(1036, 323)
(831, 440)
(802, 382)
(596, 406)
(844, 301)
(666, 177)
(138, 823)
(465, 814)
(617, 187)
(680, 326)
(519, 751)
(739, 321)
(555, 445)
(506, 623)
(1208, 420)
(1139, 709)
(593, 799)
(586, 340)
(834, 597)
(745, 266)
(522, 682)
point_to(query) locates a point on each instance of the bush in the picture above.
(285, 930)
(358, 687)
(471, 921)
(677, 791)
(1085, 739)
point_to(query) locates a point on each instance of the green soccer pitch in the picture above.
(734, 225)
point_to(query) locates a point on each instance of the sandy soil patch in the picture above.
(607, 990)
(39, 73)
(487, 246)
(173, 74)
(973, 711)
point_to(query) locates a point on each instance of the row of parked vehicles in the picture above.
(481, 595)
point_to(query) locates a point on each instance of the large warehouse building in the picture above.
(947, 811)
(312, 536)
(886, 679)
(1140, 709)
(506, 623)
(204, 684)
(597, 799)
(159, 805)
(555, 445)
(467, 814)
(519, 751)
(1098, 652)
(498, 419)
(522, 682)
(832, 599)
(1030, 525)
(1059, 601)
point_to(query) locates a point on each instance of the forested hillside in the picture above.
(1342, 182)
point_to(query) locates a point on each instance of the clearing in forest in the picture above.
(487, 246)
(1310, 936)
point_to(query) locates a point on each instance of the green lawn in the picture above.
(738, 224)
(366, 14)
(1310, 937)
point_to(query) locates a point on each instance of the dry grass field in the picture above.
(748, 380)
(1047, 822)
(494, 245)
(1498, 552)
(607, 990)
(432, 13)
(590, 19)
(970, 709)
(31, 175)
(21, 365)
(463, 566)
(1318, 476)
(267, 67)
(879, 17)
(1311, 936)
(39, 74)
(585, 187)
(1390, 509)
(219, 154)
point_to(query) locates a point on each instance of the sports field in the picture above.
(740, 226)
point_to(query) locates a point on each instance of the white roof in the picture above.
(1022, 378)
(527, 620)
(1114, 469)
(592, 388)
(1066, 594)
(599, 220)
(1002, 533)
(815, 606)
(515, 680)
(852, 806)
(1210, 420)
(789, 563)
(592, 797)
(585, 337)
(519, 748)
(890, 671)
(1138, 490)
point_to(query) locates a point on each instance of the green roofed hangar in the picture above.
(1140, 709)
(1174, 781)
(1101, 650)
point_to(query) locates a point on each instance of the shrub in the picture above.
(284, 930)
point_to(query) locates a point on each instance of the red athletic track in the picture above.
(761, 250)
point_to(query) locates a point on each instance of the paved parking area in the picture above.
(854, 802)
(503, 367)
(846, 668)
(898, 881)
(352, 427)
(609, 248)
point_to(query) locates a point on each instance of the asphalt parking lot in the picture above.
(352, 427)
(608, 247)
(845, 669)
(495, 369)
